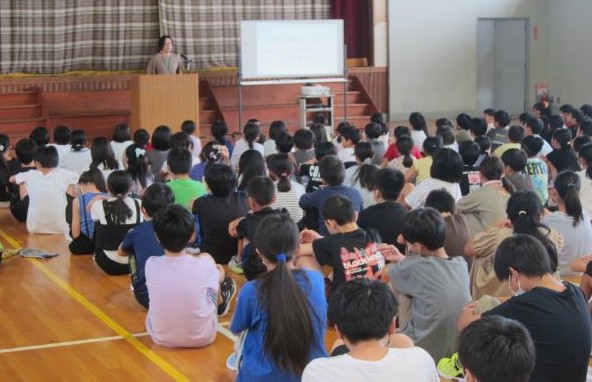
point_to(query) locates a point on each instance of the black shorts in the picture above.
(109, 266)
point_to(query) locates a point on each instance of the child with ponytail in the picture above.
(114, 216)
(405, 161)
(136, 162)
(361, 176)
(563, 156)
(287, 191)
(283, 312)
(571, 220)
(251, 133)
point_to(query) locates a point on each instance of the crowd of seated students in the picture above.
(413, 242)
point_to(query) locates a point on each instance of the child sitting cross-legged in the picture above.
(184, 289)
(351, 251)
(364, 313)
(140, 242)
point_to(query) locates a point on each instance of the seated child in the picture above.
(361, 175)
(215, 211)
(140, 242)
(514, 177)
(434, 286)
(332, 174)
(261, 195)
(188, 127)
(388, 184)
(25, 150)
(536, 167)
(46, 187)
(184, 188)
(287, 191)
(405, 161)
(120, 140)
(304, 140)
(183, 288)
(350, 136)
(364, 313)
(510, 357)
(515, 136)
(114, 216)
(212, 152)
(78, 159)
(351, 251)
(285, 304)
(471, 179)
(392, 152)
(309, 173)
(420, 171)
(90, 184)
(374, 134)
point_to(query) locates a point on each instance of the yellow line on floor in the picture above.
(138, 345)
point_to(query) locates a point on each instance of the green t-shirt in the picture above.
(186, 190)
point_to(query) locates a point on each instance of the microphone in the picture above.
(183, 56)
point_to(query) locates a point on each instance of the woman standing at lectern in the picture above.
(165, 62)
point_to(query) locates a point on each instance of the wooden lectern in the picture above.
(163, 99)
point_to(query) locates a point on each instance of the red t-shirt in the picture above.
(392, 152)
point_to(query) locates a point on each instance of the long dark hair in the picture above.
(4, 146)
(94, 176)
(119, 183)
(365, 172)
(281, 168)
(289, 334)
(251, 132)
(524, 210)
(405, 146)
(567, 185)
(101, 153)
(563, 137)
(219, 129)
(137, 164)
(586, 154)
(250, 165)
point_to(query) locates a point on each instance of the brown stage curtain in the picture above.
(356, 20)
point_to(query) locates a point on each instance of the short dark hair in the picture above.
(77, 139)
(25, 150)
(284, 142)
(261, 189)
(362, 309)
(156, 197)
(40, 135)
(61, 135)
(586, 109)
(441, 200)
(401, 131)
(323, 149)
(515, 133)
(535, 124)
(276, 128)
(448, 166)
(489, 111)
(532, 145)
(478, 127)
(425, 226)
(581, 141)
(515, 158)
(431, 145)
(496, 348)
(351, 133)
(566, 108)
(179, 161)
(47, 156)
(417, 121)
(95, 176)
(339, 208)
(162, 40)
(141, 137)
(373, 130)
(469, 152)
(121, 133)
(523, 117)
(160, 138)
(389, 182)
(502, 118)
(219, 129)
(523, 253)
(174, 225)
(463, 120)
(188, 127)
(220, 179)
(443, 122)
(484, 143)
(180, 139)
(492, 168)
(332, 170)
(304, 139)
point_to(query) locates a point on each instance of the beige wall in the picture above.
(432, 51)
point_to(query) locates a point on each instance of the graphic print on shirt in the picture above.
(366, 262)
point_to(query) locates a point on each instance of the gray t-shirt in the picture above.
(577, 240)
(437, 289)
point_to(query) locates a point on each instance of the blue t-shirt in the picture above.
(317, 198)
(87, 225)
(256, 365)
(141, 243)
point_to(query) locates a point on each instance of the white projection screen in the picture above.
(291, 48)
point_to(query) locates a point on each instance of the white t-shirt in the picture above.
(119, 149)
(183, 292)
(239, 148)
(585, 191)
(417, 197)
(97, 213)
(77, 161)
(47, 199)
(196, 150)
(61, 149)
(346, 154)
(411, 364)
(418, 137)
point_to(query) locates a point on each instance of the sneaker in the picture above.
(228, 291)
(232, 362)
(235, 266)
(193, 249)
(450, 368)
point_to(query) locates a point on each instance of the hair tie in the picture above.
(1, 147)
(283, 175)
(571, 185)
(139, 152)
(367, 161)
(281, 258)
(521, 212)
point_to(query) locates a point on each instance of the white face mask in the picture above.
(518, 291)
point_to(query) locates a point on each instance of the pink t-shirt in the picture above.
(183, 292)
